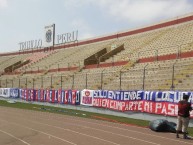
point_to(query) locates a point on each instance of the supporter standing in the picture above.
(184, 108)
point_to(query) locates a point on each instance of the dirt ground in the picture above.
(25, 127)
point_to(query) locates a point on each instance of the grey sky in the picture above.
(23, 20)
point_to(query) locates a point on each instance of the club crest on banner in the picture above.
(87, 97)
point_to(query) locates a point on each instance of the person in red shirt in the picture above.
(184, 108)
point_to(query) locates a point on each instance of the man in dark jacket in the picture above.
(184, 108)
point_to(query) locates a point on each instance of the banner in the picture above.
(87, 97)
(71, 97)
(56, 96)
(61, 96)
(53, 95)
(26, 94)
(14, 92)
(20, 93)
(5, 92)
(47, 95)
(29, 95)
(33, 95)
(49, 35)
(165, 103)
(76, 96)
(44, 95)
(38, 95)
(22, 96)
(156, 102)
(118, 100)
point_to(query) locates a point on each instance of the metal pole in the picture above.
(120, 80)
(172, 86)
(144, 76)
(86, 81)
(33, 83)
(51, 82)
(73, 81)
(26, 82)
(156, 54)
(102, 80)
(42, 82)
(53, 35)
(179, 51)
(61, 81)
(19, 82)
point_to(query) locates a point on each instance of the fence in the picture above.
(172, 77)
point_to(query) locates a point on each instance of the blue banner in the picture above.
(14, 93)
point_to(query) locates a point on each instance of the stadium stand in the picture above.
(156, 57)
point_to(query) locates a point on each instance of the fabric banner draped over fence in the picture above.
(71, 97)
(156, 102)
(9, 92)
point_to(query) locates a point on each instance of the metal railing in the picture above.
(173, 77)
